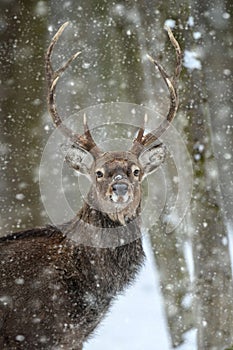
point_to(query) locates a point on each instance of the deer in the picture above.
(54, 290)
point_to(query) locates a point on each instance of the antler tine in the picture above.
(178, 54)
(86, 141)
(140, 133)
(52, 79)
(171, 83)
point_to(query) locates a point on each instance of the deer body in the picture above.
(60, 291)
(54, 291)
(57, 283)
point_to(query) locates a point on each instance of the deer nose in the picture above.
(120, 189)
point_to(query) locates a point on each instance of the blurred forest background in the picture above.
(114, 37)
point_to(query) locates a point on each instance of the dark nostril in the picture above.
(120, 188)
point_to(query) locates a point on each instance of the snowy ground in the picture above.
(137, 319)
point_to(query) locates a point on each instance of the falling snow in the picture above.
(191, 60)
(114, 40)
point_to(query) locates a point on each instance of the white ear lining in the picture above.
(78, 158)
(152, 158)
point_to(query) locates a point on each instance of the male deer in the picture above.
(55, 291)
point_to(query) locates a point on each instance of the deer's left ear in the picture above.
(152, 158)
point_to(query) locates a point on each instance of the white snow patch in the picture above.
(43, 339)
(171, 23)
(4, 149)
(47, 127)
(188, 255)
(6, 300)
(190, 21)
(225, 241)
(41, 8)
(19, 281)
(196, 35)
(190, 341)
(119, 10)
(227, 72)
(227, 156)
(86, 65)
(204, 323)
(191, 60)
(137, 319)
(22, 185)
(20, 196)
(230, 239)
(201, 147)
(226, 15)
(36, 102)
(20, 337)
(187, 300)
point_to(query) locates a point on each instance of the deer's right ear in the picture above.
(152, 158)
(78, 159)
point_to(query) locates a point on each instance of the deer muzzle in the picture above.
(120, 192)
(120, 189)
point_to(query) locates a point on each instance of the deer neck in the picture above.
(116, 215)
(92, 227)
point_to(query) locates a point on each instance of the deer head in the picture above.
(115, 176)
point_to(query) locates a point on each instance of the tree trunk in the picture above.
(22, 105)
(214, 307)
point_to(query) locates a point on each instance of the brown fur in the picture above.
(55, 289)
(58, 283)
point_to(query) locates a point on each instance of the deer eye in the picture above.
(99, 174)
(136, 172)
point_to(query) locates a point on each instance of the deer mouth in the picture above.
(115, 198)
(120, 192)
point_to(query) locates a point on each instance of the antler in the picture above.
(84, 141)
(171, 82)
